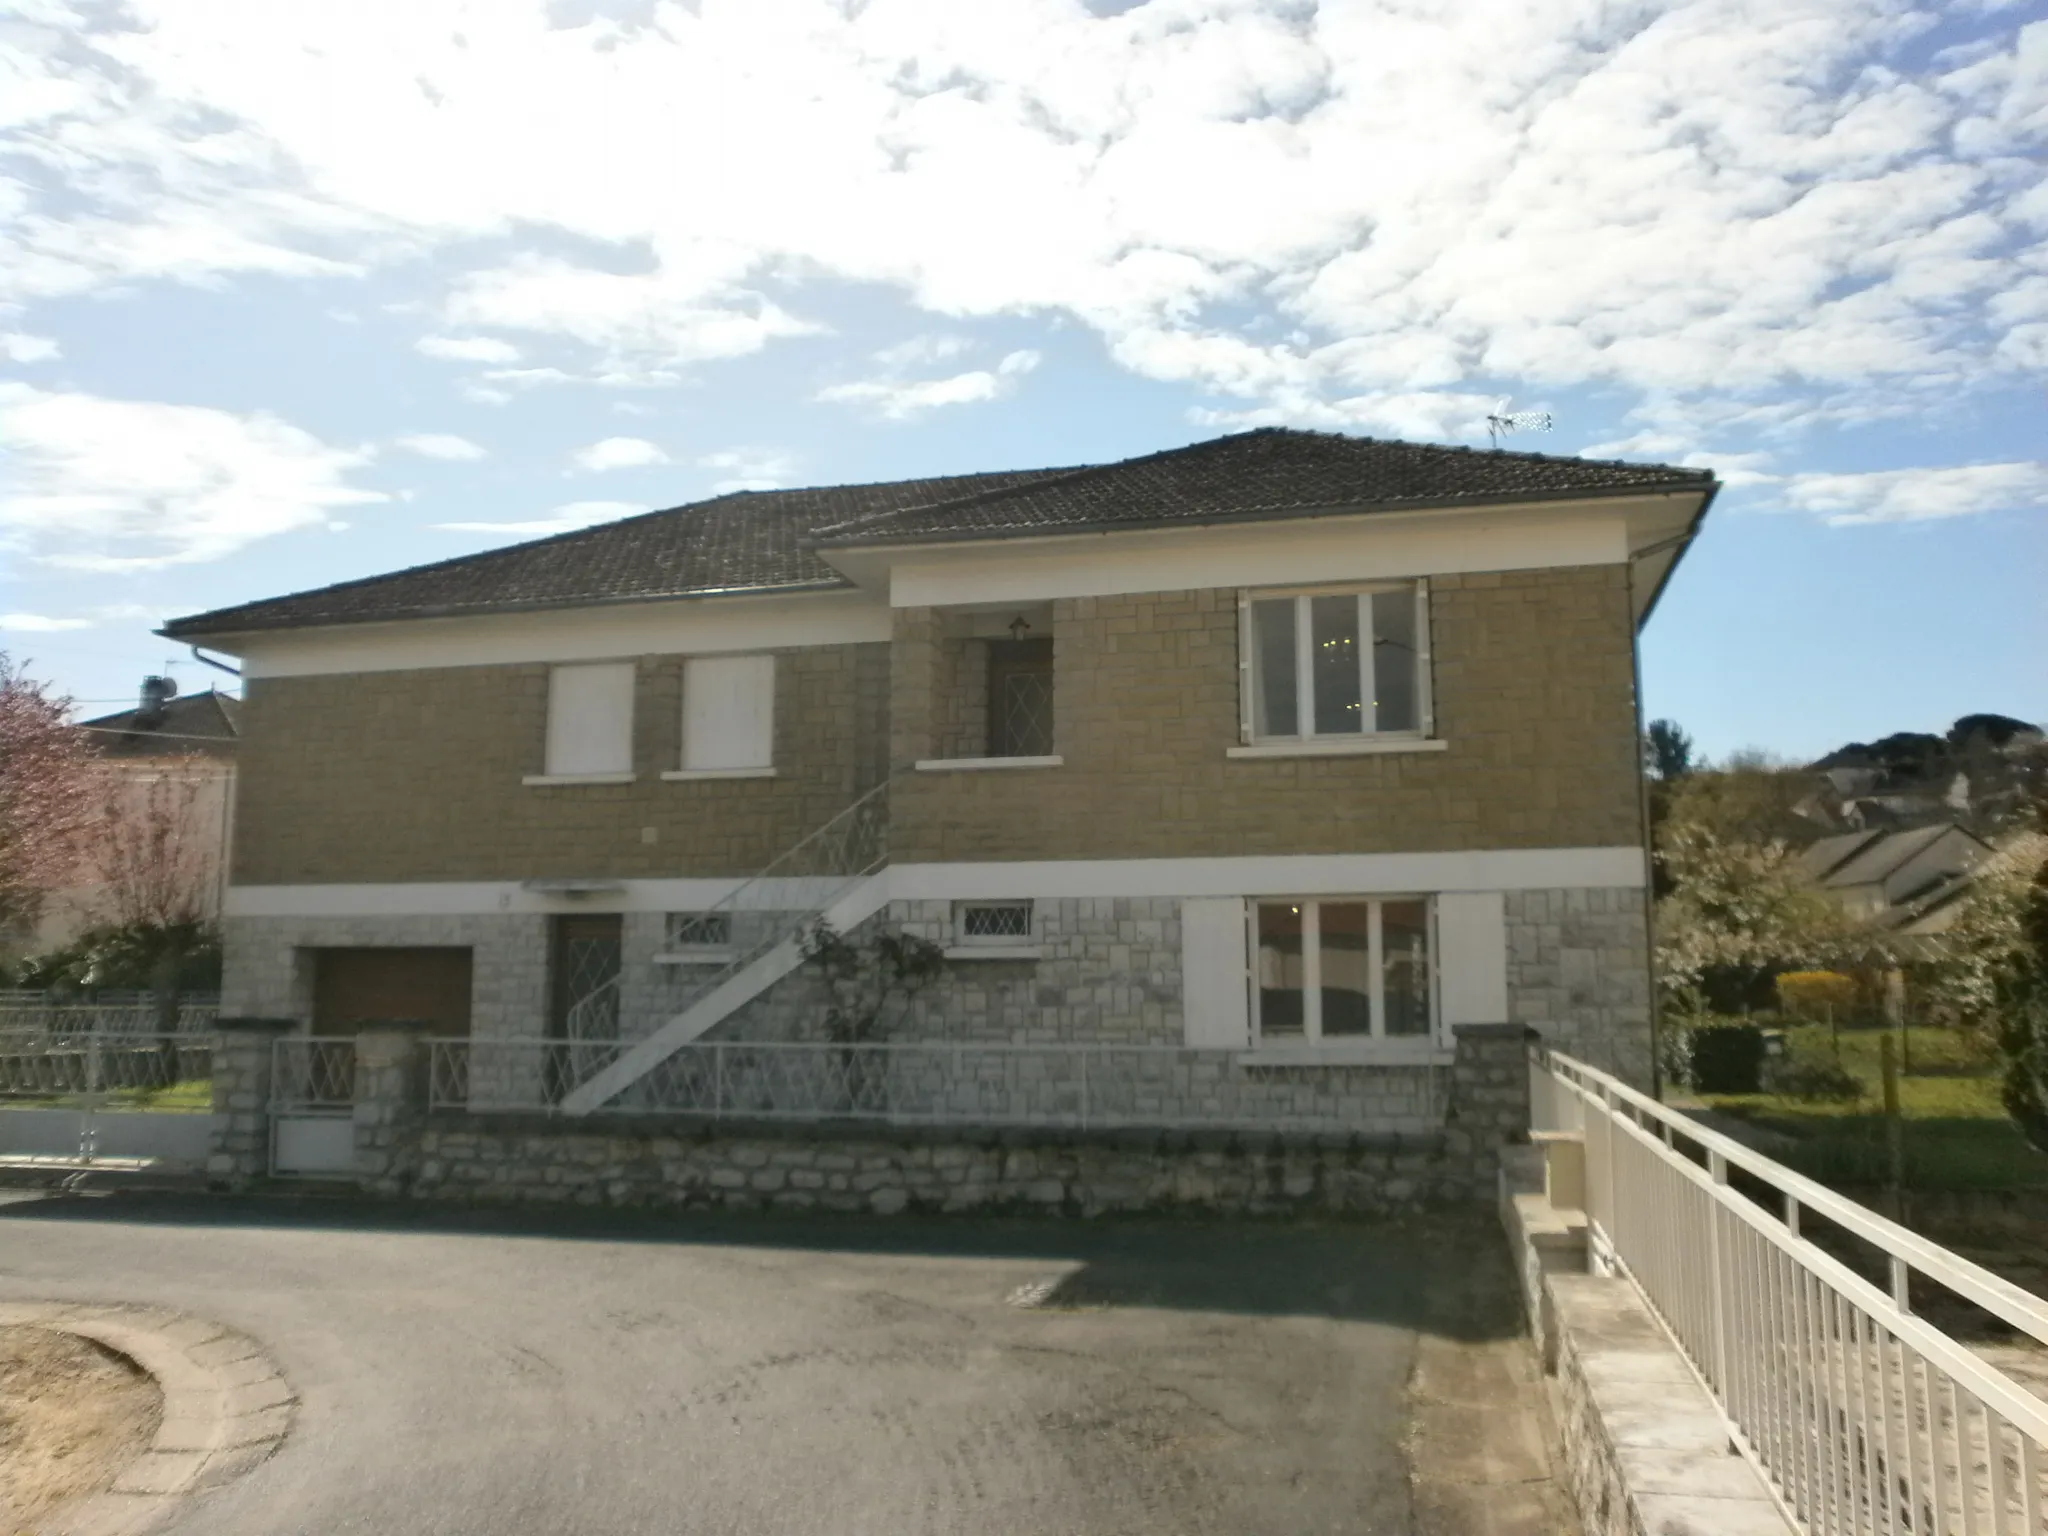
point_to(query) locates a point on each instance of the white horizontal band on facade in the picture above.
(1501, 869)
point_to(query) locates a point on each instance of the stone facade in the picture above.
(1533, 679)
(387, 776)
(402, 1150)
(1579, 972)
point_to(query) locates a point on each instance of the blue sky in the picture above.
(295, 293)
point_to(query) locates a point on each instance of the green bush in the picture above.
(1812, 1080)
(1727, 1058)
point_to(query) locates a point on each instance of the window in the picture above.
(700, 930)
(728, 714)
(1020, 698)
(993, 924)
(590, 720)
(1335, 664)
(1338, 970)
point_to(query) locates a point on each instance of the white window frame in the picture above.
(675, 952)
(1020, 946)
(1311, 1036)
(559, 763)
(765, 769)
(1304, 670)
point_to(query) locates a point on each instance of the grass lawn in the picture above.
(1957, 1134)
(194, 1097)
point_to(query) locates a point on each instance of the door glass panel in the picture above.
(1333, 640)
(1404, 946)
(1281, 960)
(1273, 706)
(1020, 698)
(1347, 967)
(1396, 664)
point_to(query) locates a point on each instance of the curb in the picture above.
(226, 1409)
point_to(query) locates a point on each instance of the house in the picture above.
(1888, 877)
(1281, 756)
(167, 768)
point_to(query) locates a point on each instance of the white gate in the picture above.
(312, 1106)
(78, 1102)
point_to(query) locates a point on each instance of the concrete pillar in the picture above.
(240, 1150)
(391, 1100)
(1489, 1099)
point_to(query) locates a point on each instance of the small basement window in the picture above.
(697, 936)
(993, 924)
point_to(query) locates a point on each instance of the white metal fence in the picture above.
(1864, 1417)
(38, 1068)
(313, 1072)
(1077, 1086)
(122, 1014)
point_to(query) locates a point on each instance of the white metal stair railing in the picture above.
(835, 873)
(1863, 1416)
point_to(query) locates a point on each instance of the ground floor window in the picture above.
(1339, 969)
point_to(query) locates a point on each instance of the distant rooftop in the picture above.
(206, 723)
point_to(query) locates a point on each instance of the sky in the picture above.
(292, 292)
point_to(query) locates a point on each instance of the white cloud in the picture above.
(619, 453)
(111, 485)
(440, 445)
(564, 519)
(468, 349)
(39, 624)
(1701, 200)
(750, 469)
(19, 347)
(906, 399)
(923, 351)
(1915, 495)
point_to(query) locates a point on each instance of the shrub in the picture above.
(1817, 994)
(1813, 1080)
(1727, 1058)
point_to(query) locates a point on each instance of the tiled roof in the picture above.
(765, 540)
(746, 541)
(207, 723)
(1252, 475)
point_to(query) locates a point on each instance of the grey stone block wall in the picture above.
(1579, 973)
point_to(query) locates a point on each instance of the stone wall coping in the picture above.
(692, 1128)
(253, 1025)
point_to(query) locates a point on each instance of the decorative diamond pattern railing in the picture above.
(1078, 1086)
(36, 1067)
(30, 1012)
(313, 1072)
(1024, 722)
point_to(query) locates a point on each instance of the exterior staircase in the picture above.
(838, 873)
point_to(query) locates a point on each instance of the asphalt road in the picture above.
(498, 1374)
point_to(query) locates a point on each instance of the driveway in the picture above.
(486, 1373)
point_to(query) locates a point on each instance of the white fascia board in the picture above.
(1335, 874)
(1370, 546)
(680, 626)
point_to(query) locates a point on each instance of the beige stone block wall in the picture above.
(390, 776)
(1534, 693)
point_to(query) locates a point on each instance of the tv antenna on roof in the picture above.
(1501, 421)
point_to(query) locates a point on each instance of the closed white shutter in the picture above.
(1214, 1004)
(728, 713)
(1472, 963)
(590, 719)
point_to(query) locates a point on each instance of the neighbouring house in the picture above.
(1894, 879)
(1280, 757)
(167, 774)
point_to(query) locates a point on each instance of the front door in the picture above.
(583, 1000)
(1020, 698)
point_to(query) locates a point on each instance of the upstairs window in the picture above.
(590, 720)
(728, 714)
(1336, 664)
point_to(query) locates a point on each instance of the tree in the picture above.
(1667, 750)
(45, 794)
(155, 859)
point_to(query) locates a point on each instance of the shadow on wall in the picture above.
(1415, 1273)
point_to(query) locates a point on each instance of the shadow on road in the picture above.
(1399, 1272)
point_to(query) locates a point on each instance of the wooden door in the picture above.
(1020, 698)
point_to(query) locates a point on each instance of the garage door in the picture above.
(351, 985)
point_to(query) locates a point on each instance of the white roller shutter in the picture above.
(590, 719)
(1472, 957)
(1214, 1003)
(728, 713)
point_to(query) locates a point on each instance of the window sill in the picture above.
(685, 775)
(981, 764)
(995, 952)
(1363, 747)
(1418, 1052)
(695, 957)
(548, 780)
